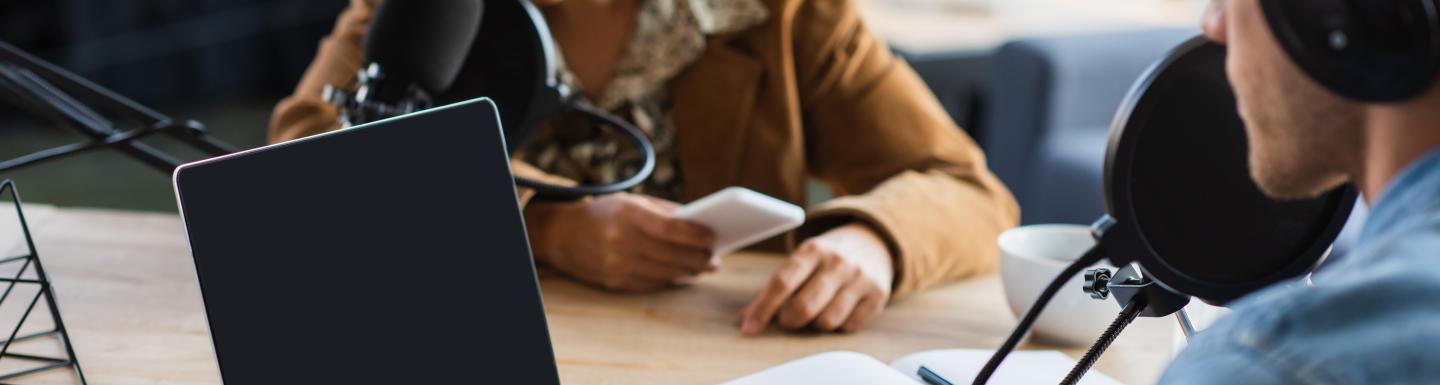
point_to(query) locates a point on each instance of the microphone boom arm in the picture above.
(52, 92)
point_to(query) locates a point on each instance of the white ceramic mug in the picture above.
(1031, 257)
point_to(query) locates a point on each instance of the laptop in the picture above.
(392, 252)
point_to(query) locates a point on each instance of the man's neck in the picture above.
(1395, 136)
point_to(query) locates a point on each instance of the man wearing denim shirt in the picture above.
(1374, 317)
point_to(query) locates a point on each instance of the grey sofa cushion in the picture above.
(1052, 100)
(1069, 188)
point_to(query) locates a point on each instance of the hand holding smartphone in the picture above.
(740, 217)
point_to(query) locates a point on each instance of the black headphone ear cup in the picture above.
(1367, 50)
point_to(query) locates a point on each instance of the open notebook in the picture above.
(957, 365)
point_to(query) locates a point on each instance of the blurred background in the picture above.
(222, 62)
(1036, 82)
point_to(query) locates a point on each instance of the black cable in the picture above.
(1091, 257)
(1127, 315)
(549, 191)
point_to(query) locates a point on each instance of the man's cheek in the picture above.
(1242, 76)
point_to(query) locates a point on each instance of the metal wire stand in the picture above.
(42, 281)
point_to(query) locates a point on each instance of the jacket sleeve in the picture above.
(894, 158)
(306, 112)
(340, 57)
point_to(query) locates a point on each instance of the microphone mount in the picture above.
(374, 98)
(1127, 284)
(1137, 295)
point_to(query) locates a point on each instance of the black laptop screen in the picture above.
(383, 254)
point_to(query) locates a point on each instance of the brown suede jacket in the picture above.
(809, 93)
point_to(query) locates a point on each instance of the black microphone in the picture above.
(426, 52)
(413, 52)
(423, 42)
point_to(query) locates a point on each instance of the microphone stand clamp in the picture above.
(373, 98)
(1127, 284)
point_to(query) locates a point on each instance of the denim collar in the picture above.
(1411, 195)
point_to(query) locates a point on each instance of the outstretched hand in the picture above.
(837, 281)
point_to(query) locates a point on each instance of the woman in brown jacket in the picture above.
(756, 93)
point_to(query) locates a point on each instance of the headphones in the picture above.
(1367, 50)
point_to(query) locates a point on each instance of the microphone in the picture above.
(422, 53)
(414, 50)
(423, 42)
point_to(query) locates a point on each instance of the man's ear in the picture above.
(1215, 22)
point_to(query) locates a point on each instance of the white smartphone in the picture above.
(741, 217)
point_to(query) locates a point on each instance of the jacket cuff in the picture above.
(857, 209)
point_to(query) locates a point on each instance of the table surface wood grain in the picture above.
(127, 290)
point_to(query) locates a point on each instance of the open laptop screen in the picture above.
(388, 253)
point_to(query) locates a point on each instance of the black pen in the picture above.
(930, 377)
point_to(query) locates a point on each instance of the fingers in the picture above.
(641, 247)
(690, 259)
(638, 275)
(812, 298)
(664, 205)
(670, 241)
(869, 306)
(649, 264)
(837, 281)
(654, 218)
(841, 307)
(782, 284)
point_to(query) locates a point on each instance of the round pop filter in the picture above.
(1179, 189)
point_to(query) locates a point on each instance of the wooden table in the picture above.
(127, 290)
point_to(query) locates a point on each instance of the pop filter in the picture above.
(1178, 188)
(1183, 208)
